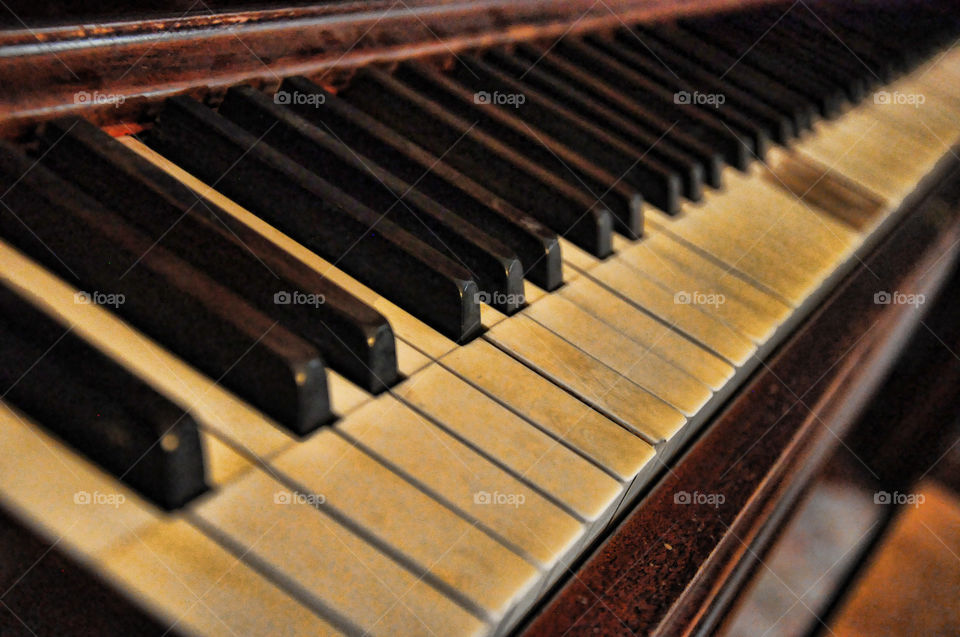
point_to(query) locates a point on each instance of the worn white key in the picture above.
(731, 310)
(429, 535)
(512, 442)
(931, 121)
(824, 190)
(607, 390)
(551, 408)
(718, 273)
(457, 475)
(222, 462)
(676, 310)
(337, 571)
(634, 360)
(874, 151)
(758, 261)
(636, 324)
(197, 587)
(755, 211)
(174, 571)
(714, 276)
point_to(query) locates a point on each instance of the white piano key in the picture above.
(430, 536)
(197, 587)
(619, 398)
(634, 360)
(640, 326)
(512, 442)
(331, 567)
(554, 410)
(457, 475)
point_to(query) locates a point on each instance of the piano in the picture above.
(411, 317)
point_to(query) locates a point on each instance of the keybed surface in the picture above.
(483, 442)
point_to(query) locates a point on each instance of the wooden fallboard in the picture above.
(136, 63)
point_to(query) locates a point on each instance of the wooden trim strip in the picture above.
(663, 570)
(117, 72)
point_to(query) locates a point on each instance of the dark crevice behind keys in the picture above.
(354, 338)
(204, 323)
(737, 148)
(526, 185)
(496, 269)
(620, 197)
(608, 124)
(596, 89)
(707, 99)
(658, 183)
(778, 46)
(95, 405)
(534, 243)
(727, 69)
(839, 39)
(319, 215)
(828, 97)
(696, 79)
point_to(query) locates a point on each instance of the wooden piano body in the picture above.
(657, 567)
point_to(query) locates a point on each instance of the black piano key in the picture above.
(828, 97)
(726, 68)
(537, 245)
(659, 184)
(567, 210)
(829, 51)
(621, 198)
(738, 149)
(597, 102)
(776, 45)
(354, 338)
(759, 130)
(495, 268)
(912, 40)
(628, 99)
(98, 407)
(876, 59)
(322, 217)
(607, 123)
(199, 320)
(870, 30)
(654, 53)
(769, 52)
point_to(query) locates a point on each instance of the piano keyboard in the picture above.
(387, 357)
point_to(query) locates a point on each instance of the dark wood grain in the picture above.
(48, 72)
(665, 568)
